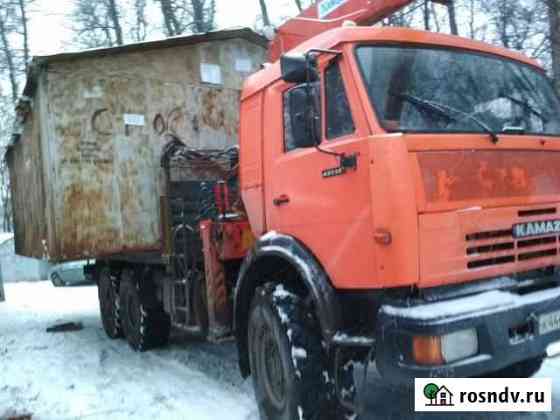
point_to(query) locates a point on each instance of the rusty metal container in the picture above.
(85, 159)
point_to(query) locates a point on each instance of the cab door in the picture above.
(309, 195)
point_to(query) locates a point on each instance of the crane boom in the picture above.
(328, 14)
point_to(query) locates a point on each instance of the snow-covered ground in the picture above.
(83, 374)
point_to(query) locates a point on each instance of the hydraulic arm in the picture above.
(328, 14)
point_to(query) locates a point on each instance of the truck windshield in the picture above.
(416, 89)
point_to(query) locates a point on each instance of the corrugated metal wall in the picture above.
(104, 121)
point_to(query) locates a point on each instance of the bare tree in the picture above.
(204, 15)
(8, 53)
(554, 27)
(181, 16)
(98, 23)
(6, 125)
(14, 42)
(139, 29)
(24, 29)
(14, 58)
(519, 24)
(264, 13)
(451, 12)
(427, 12)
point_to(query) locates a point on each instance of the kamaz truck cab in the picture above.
(411, 181)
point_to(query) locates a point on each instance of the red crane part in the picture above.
(328, 14)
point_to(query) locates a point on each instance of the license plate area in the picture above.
(549, 323)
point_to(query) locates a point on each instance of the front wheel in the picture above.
(288, 363)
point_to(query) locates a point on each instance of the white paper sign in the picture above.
(95, 93)
(326, 7)
(134, 119)
(243, 65)
(211, 73)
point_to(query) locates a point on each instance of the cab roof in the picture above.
(363, 35)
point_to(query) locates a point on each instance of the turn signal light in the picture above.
(427, 350)
(449, 348)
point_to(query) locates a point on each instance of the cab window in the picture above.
(339, 116)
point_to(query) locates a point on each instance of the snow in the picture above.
(83, 374)
(288, 253)
(5, 237)
(269, 236)
(354, 339)
(553, 350)
(489, 301)
(280, 292)
(298, 354)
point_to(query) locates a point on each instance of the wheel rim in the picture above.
(272, 371)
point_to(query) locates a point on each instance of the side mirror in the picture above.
(298, 68)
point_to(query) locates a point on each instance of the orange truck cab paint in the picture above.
(429, 200)
(428, 192)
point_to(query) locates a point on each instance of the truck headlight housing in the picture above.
(449, 348)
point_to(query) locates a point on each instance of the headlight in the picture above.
(459, 345)
(438, 350)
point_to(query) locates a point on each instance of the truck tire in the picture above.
(145, 326)
(109, 304)
(524, 369)
(287, 359)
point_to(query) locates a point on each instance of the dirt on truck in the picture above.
(371, 195)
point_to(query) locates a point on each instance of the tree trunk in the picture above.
(115, 20)
(264, 12)
(427, 15)
(554, 22)
(172, 25)
(141, 26)
(198, 15)
(452, 18)
(9, 57)
(25, 32)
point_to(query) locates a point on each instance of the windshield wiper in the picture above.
(527, 106)
(447, 112)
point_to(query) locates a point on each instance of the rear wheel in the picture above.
(109, 304)
(288, 363)
(144, 322)
(524, 369)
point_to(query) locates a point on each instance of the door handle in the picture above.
(281, 200)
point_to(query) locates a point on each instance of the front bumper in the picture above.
(506, 325)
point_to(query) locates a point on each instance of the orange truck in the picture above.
(395, 199)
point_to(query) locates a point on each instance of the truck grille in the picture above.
(498, 247)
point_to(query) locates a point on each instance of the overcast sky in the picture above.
(51, 25)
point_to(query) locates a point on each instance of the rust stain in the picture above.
(213, 115)
(489, 174)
